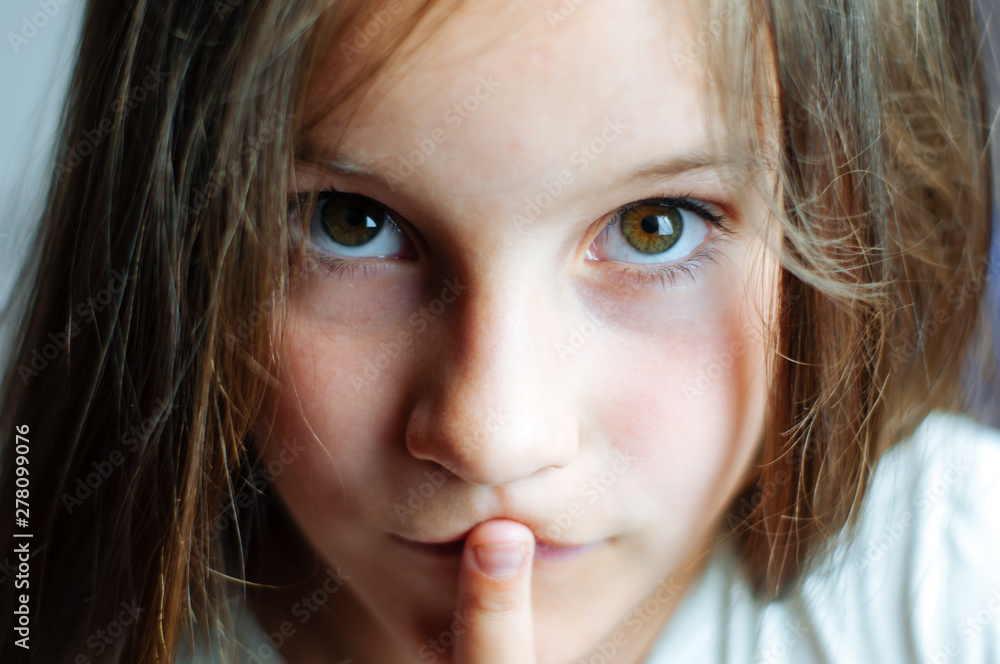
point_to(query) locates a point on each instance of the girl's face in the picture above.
(490, 340)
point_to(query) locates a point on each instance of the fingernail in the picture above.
(500, 560)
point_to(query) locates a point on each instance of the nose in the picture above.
(493, 406)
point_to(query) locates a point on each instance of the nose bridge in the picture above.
(491, 413)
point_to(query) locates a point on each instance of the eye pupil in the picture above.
(355, 216)
(652, 229)
(351, 223)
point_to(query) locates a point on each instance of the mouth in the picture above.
(544, 551)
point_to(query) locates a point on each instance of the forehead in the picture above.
(504, 94)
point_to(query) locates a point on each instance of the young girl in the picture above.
(388, 332)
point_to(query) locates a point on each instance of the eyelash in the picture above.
(687, 268)
(667, 275)
(340, 267)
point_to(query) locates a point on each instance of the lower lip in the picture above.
(546, 552)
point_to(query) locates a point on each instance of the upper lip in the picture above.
(463, 534)
(450, 540)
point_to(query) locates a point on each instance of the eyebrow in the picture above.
(699, 159)
(681, 164)
(341, 165)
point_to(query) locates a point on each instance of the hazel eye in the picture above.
(649, 233)
(652, 229)
(352, 226)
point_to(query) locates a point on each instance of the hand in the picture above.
(494, 595)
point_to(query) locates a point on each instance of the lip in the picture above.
(544, 551)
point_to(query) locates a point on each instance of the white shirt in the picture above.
(920, 583)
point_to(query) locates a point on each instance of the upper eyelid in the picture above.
(709, 211)
(716, 218)
(302, 198)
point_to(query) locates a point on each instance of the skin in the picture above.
(632, 437)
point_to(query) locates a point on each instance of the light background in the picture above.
(34, 76)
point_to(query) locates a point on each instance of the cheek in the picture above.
(684, 395)
(335, 401)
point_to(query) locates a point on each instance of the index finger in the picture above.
(494, 595)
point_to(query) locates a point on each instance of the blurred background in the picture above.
(39, 41)
(36, 51)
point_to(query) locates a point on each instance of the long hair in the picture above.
(884, 201)
(140, 363)
(153, 300)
